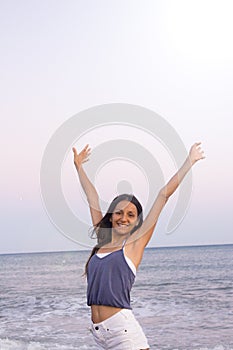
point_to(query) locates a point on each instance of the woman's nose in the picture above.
(124, 217)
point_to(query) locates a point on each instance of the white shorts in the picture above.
(120, 332)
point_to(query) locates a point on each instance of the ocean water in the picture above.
(182, 297)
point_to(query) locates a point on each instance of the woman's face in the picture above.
(124, 218)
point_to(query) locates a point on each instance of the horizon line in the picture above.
(86, 250)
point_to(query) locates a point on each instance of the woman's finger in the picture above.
(74, 150)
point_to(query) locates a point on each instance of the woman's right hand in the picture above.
(82, 157)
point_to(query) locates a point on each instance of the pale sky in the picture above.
(59, 58)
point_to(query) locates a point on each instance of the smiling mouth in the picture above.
(122, 225)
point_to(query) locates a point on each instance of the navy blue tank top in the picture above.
(109, 280)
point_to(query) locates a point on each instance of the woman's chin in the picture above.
(122, 231)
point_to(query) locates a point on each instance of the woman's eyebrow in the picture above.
(131, 212)
(121, 210)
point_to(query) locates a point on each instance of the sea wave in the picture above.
(9, 344)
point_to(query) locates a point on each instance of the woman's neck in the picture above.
(118, 241)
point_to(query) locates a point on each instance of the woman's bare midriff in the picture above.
(100, 313)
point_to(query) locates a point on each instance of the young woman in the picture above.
(122, 236)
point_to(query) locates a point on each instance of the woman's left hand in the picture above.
(196, 153)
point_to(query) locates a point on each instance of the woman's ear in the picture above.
(137, 223)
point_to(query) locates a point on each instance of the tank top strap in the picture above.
(123, 244)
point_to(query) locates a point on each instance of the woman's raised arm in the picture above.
(146, 230)
(88, 187)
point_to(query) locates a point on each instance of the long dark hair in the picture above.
(103, 229)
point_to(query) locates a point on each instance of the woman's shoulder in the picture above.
(134, 250)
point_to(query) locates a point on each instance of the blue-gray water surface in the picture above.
(182, 297)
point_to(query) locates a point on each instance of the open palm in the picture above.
(81, 157)
(196, 153)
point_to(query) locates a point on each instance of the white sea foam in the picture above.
(7, 344)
